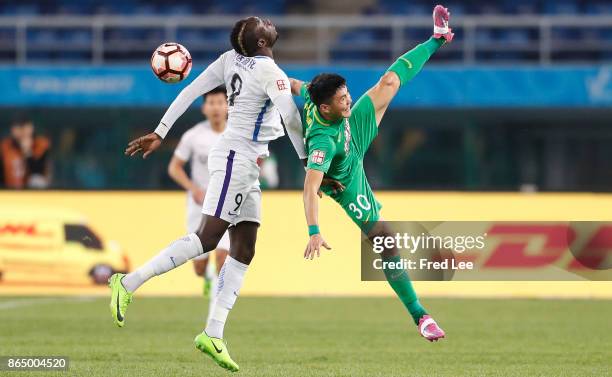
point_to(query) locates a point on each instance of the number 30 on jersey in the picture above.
(362, 204)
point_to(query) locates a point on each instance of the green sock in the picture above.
(410, 64)
(401, 284)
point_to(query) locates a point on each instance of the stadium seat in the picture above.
(365, 43)
(520, 7)
(21, 9)
(561, 7)
(204, 42)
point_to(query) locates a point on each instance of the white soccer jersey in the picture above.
(258, 93)
(195, 146)
(251, 83)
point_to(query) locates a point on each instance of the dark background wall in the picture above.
(441, 149)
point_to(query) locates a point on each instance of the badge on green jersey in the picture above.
(318, 156)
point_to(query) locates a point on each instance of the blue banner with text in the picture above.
(435, 86)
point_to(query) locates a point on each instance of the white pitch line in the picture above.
(13, 304)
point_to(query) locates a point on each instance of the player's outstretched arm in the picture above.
(278, 88)
(407, 66)
(312, 183)
(204, 83)
(176, 171)
(293, 122)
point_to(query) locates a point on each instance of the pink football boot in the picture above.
(429, 329)
(441, 16)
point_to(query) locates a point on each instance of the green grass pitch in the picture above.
(315, 337)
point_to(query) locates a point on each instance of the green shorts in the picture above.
(358, 199)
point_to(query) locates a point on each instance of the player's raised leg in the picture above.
(407, 66)
(177, 253)
(243, 237)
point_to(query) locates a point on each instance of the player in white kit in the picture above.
(259, 94)
(194, 147)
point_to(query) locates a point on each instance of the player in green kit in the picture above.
(337, 138)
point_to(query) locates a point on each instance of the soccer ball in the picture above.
(171, 62)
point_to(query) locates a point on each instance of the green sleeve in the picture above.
(304, 91)
(410, 64)
(321, 151)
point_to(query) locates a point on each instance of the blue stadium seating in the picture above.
(212, 38)
(28, 7)
(417, 7)
(127, 7)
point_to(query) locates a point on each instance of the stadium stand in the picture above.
(64, 30)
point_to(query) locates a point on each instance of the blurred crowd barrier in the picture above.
(67, 243)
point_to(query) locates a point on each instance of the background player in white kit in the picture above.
(194, 147)
(258, 95)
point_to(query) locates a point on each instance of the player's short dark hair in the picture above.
(243, 36)
(217, 90)
(324, 86)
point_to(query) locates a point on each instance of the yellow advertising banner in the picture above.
(57, 243)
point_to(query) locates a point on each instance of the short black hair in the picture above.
(243, 37)
(217, 90)
(324, 86)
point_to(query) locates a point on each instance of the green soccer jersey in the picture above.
(328, 143)
(337, 149)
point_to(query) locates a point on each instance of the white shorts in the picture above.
(194, 218)
(233, 192)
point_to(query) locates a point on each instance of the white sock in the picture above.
(229, 284)
(177, 253)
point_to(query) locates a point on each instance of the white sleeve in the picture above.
(211, 78)
(278, 88)
(183, 149)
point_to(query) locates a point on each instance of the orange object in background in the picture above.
(13, 164)
(24, 157)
